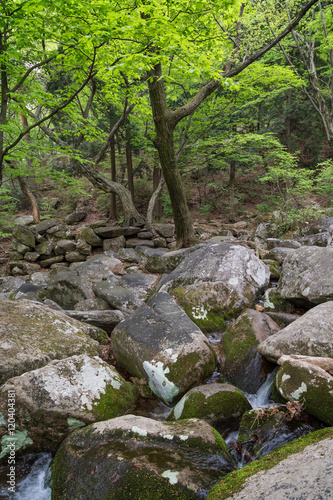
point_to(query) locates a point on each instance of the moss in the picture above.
(239, 340)
(208, 318)
(114, 402)
(234, 481)
(179, 369)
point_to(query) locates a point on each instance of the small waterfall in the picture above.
(263, 396)
(35, 484)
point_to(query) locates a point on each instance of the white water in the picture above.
(263, 396)
(35, 485)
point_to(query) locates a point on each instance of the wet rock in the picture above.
(32, 335)
(220, 405)
(242, 364)
(140, 458)
(310, 335)
(67, 394)
(160, 343)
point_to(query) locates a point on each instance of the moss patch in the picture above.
(234, 481)
(114, 402)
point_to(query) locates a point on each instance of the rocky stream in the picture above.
(129, 369)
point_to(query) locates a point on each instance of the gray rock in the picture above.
(165, 230)
(319, 240)
(31, 256)
(106, 320)
(69, 393)
(89, 235)
(76, 217)
(67, 289)
(25, 236)
(128, 255)
(160, 343)
(51, 260)
(141, 456)
(135, 242)
(42, 227)
(95, 304)
(10, 285)
(306, 276)
(45, 248)
(310, 335)
(94, 270)
(117, 297)
(32, 335)
(279, 253)
(83, 247)
(318, 226)
(75, 257)
(276, 242)
(140, 284)
(145, 235)
(24, 220)
(20, 247)
(215, 282)
(109, 261)
(114, 244)
(64, 246)
(113, 232)
(39, 278)
(167, 261)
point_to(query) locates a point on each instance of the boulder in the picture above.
(242, 364)
(300, 469)
(311, 385)
(52, 401)
(93, 270)
(165, 230)
(137, 457)
(216, 282)
(75, 217)
(276, 242)
(114, 244)
(306, 276)
(279, 253)
(319, 226)
(134, 242)
(118, 297)
(64, 246)
(140, 284)
(32, 335)
(128, 255)
(43, 226)
(160, 343)
(83, 247)
(220, 405)
(310, 335)
(168, 261)
(113, 232)
(67, 289)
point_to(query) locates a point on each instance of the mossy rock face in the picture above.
(141, 458)
(236, 481)
(262, 430)
(215, 282)
(243, 366)
(51, 401)
(33, 334)
(160, 343)
(221, 405)
(309, 384)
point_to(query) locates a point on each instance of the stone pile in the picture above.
(52, 244)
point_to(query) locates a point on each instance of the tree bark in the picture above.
(157, 176)
(113, 211)
(26, 191)
(164, 127)
(129, 162)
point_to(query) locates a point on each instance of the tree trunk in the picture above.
(164, 127)
(157, 175)
(131, 215)
(113, 211)
(26, 191)
(152, 203)
(129, 162)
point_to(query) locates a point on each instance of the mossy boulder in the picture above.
(51, 401)
(242, 365)
(216, 282)
(311, 385)
(310, 335)
(140, 458)
(160, 343)
(32, 335)
(303, 465)
(24, 236)
(221, 405)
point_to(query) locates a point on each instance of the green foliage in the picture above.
(324, 179)
(8, 207)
